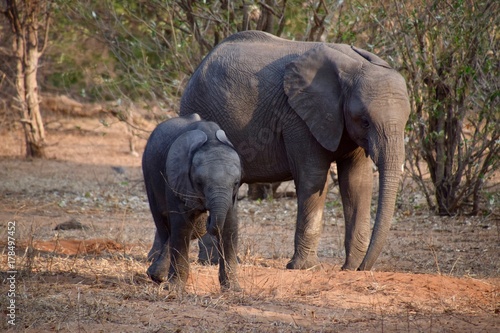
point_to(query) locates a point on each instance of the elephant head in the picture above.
(339, 90)
(205, 173)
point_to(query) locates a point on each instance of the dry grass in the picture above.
(107, 289)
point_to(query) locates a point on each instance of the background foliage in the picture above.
(145, 51)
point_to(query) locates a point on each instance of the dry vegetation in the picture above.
(436, 274)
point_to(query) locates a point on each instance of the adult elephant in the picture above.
(290, 109)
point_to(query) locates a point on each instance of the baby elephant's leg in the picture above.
(160, 257)
(208, 253)
(179, 251)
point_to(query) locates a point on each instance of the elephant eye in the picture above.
(365, 123)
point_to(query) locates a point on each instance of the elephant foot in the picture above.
(347, 267)
(208, 261)
(353, 263)
(311, 262)
(208, 253)
(158, 271)
(155, 275)
(174, 288)
(231, 286)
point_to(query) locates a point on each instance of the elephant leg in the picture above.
(208, 253)
(156, 249)
(159, 253)
(256, 191)
(355, 176)
(259, 191)
(228, 247)
(158, 269)
(179, 251)
(311, 195)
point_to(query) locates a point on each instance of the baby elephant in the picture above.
(190, 167)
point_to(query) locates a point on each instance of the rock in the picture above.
(72, 224)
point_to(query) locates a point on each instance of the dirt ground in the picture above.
(436, 274)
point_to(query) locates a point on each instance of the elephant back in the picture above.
(250, 36)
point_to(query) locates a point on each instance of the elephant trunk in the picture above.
(218, 207)
(389, 167)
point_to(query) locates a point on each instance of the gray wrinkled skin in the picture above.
(190, 169)
(291, 109)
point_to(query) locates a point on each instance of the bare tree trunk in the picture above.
(266, 20)
(24, 20)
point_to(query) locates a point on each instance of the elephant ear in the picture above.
(178, 165)
(221, 136)
(371, 57)
(315, 83)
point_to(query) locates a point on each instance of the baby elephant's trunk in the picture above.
(218, 207)
(215, 224)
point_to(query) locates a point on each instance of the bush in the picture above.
(446, 50)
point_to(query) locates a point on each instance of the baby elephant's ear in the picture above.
(221, 136)
(178, 165)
